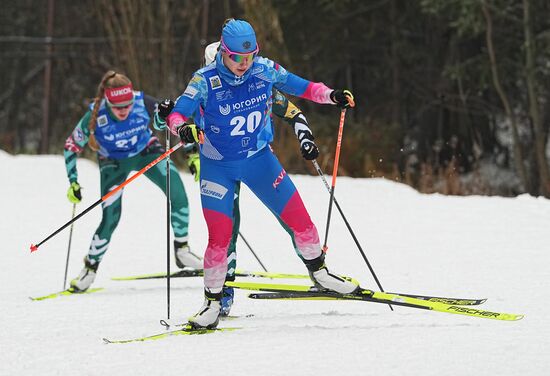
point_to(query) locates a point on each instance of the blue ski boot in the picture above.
(227, 301)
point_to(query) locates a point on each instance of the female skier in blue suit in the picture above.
(116, 126)
(234, 98)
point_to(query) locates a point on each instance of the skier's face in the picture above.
(121, 113)
(238, 68)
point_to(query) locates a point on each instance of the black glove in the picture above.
(309, 149)
(342, 98)
(164, 108)
(189, 133)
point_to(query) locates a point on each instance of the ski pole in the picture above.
(34, 247)
(334, 173)
(168, 210)
(69, 248)
(320, 172)
(251, 250)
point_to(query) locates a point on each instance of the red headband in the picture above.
(120, 96)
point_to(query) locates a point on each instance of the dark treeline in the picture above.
(452, 96)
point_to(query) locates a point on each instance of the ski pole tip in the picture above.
(34, 248)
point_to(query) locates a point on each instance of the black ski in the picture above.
(199, 273)
(300, 295)
(312, 293)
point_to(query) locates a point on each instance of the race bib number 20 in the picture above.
(242, 125)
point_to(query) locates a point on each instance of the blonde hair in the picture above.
(111, 79)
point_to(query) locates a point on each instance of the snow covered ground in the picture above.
(455, 246)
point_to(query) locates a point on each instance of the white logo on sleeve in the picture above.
(190, 92)
(78, 136)
(211, 189)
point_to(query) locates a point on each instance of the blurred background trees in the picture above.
(452, 96)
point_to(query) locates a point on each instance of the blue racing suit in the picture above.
(235, 117)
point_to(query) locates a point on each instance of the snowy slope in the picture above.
(456, 246)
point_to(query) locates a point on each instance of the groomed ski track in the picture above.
(488, 247)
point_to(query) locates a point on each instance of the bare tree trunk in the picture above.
(204, 26)
(265, 19)
(518, 152)
(165, 74)
(396, 72)
(45, 139)
(142, 38)
(534, 113)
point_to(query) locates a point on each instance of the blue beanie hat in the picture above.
(239, 36)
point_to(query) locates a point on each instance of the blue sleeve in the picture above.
(283, 79)
(195, 95)
(295, 85)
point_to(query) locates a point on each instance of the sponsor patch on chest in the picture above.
(225, 110)
(215, 82)
(224, 95)
(102, 121)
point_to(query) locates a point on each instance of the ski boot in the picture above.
(209, 314)
(323, 279)
(186, 258)
(86, 276)
(228, 294)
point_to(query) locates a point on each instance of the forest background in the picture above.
(452, 95)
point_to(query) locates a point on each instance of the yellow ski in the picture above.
(69, 291)
(312, 293)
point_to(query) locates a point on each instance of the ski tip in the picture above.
(106, 341)
(34, 248)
